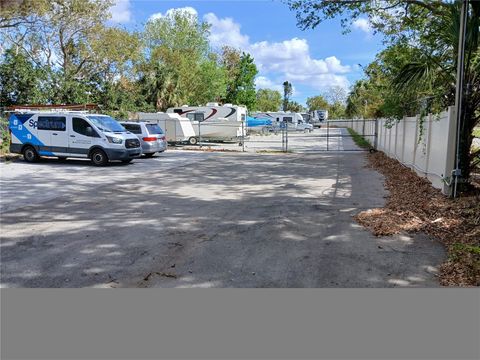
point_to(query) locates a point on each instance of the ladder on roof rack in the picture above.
(53, 108)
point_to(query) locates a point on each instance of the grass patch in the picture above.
(5, 137)
(359, 140)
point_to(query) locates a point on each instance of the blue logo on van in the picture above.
(17, 126)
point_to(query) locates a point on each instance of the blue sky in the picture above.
(312, 60)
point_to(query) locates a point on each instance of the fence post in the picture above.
(243, 137)
(428, 140)
(286, 137)
(199, 134)
(328, 126)
(375, 137)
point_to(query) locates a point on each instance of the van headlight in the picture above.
(114, 140)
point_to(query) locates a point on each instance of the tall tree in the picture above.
(70, 41)
(336, 94)
(230, 58)
(287, 93)
(211, 82)
(431, 30)
(178, 54)
(268, 100)
(243, 88)
(20, 80)
(317, 103)
(16, 13)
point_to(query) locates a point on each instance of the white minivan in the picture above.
(71, 134)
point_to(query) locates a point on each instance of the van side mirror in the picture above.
(89, 131)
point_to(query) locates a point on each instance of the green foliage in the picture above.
(336, 110)
(336, 107)
(20, 80)
(211, 82)
(64, 51)
(294, 106)
(4, 135)
(416, 72)
(317, 103)
(268, 100)
(242, 90)
(358, 139)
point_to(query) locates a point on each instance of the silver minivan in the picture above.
(151, 136)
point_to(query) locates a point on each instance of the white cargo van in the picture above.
(71, 134)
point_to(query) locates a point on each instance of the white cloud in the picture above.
(187, 9)
(363, 25)
(263, 82)
(225, 32)
(120, 11)
(291, 59)
(285, 60)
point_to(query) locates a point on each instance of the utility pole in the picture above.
(459, 89)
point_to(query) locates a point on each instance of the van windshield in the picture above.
(106, 123)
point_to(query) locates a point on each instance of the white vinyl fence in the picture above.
(431, 157)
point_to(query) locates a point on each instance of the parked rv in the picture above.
(151, 136)
(215, 122)
(317, 117)
(302, 125)
(306, 117)
(294, 121)
(71, 134)
(178, 129)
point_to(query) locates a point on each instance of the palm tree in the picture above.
(160, 87)
(433, 75)
(287, 92)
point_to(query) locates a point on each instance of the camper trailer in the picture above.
(214, 122)
(178, 129)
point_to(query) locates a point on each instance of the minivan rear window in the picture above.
(154, 129)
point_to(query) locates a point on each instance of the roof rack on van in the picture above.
(82, 108)
(53, 110)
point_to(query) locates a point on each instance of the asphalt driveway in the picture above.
(187, 219)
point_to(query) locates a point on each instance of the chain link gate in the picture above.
(333, 135)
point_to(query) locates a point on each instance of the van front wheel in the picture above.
(99, 157)
(193, 141)
(30, 155)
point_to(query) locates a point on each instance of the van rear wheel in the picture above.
(193, 141)
(30, 154)
(99, 157)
